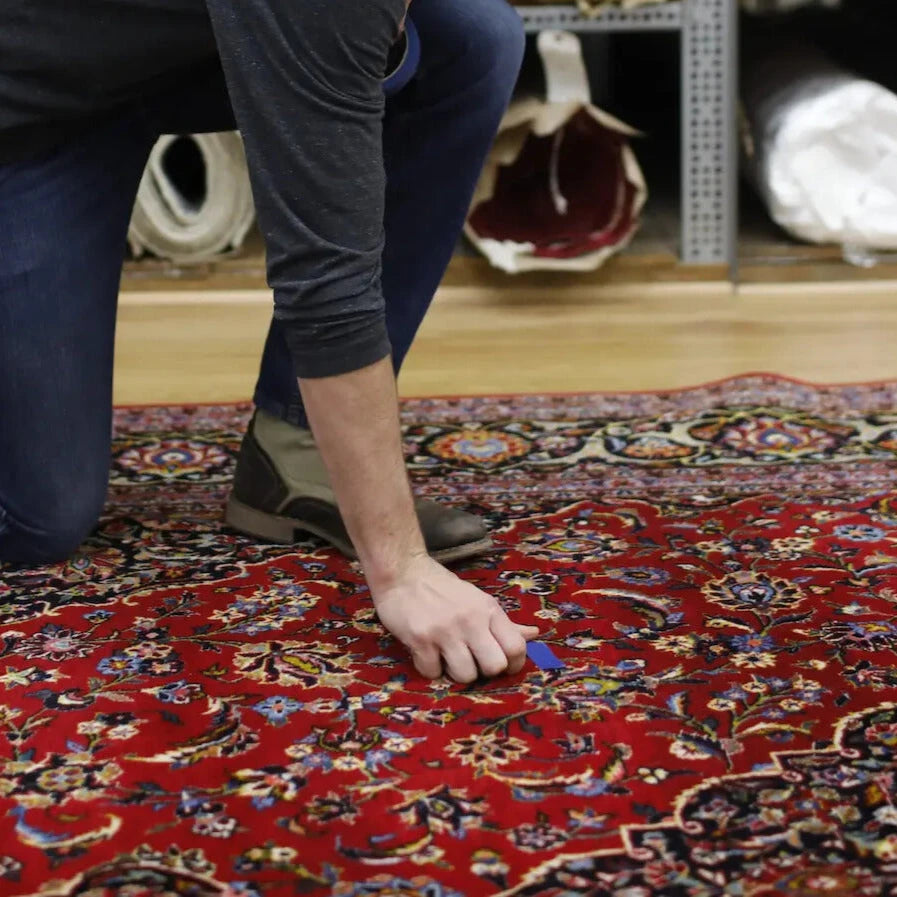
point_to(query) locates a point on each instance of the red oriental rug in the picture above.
(186, 712)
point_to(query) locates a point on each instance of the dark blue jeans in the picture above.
(63, 226)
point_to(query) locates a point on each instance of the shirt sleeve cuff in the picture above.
(341, 352)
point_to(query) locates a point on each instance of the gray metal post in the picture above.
(709, 30)
(709, 132)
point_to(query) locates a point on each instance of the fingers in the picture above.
(512, 640)
(500, 649)
(487, 651)
(427, 661)
(459, 663)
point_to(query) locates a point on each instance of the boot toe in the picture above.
(445, 528)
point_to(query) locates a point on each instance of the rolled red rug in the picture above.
(562, 187)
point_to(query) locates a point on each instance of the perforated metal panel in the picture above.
(709, 77)
(664, 17)
(709, 159)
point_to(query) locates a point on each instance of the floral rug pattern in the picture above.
(185, 711)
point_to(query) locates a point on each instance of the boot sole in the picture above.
(282, 530)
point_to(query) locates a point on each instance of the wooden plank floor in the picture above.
(201, 346)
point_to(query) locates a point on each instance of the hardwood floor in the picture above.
(204, 346)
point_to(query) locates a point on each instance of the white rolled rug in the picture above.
(822, 147)
(194, 200)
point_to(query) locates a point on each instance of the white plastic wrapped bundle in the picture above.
(194, 200)
(822, 144)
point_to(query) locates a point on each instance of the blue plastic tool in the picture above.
(543, 657)
(407, 66)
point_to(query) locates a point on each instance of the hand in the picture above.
(442, 619)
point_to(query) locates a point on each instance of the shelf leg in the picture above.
(709, 133)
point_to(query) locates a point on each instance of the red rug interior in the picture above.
(591, 177)
(184, 711)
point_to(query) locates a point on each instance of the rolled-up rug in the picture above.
(194, 201)
(562, 189)
(822, 147)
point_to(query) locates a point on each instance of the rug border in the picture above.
(676, 390)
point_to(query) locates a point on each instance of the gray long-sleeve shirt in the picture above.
(305, 82)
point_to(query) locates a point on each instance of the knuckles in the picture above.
(438, 632)
(493, 669)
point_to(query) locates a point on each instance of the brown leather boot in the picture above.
(281, 486)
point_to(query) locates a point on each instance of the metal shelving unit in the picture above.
(664, 17)
(709, 98)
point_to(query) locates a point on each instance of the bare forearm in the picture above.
(356, 425)
(447, 624)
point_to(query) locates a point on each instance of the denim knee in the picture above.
(500, 40)
(54, 532)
